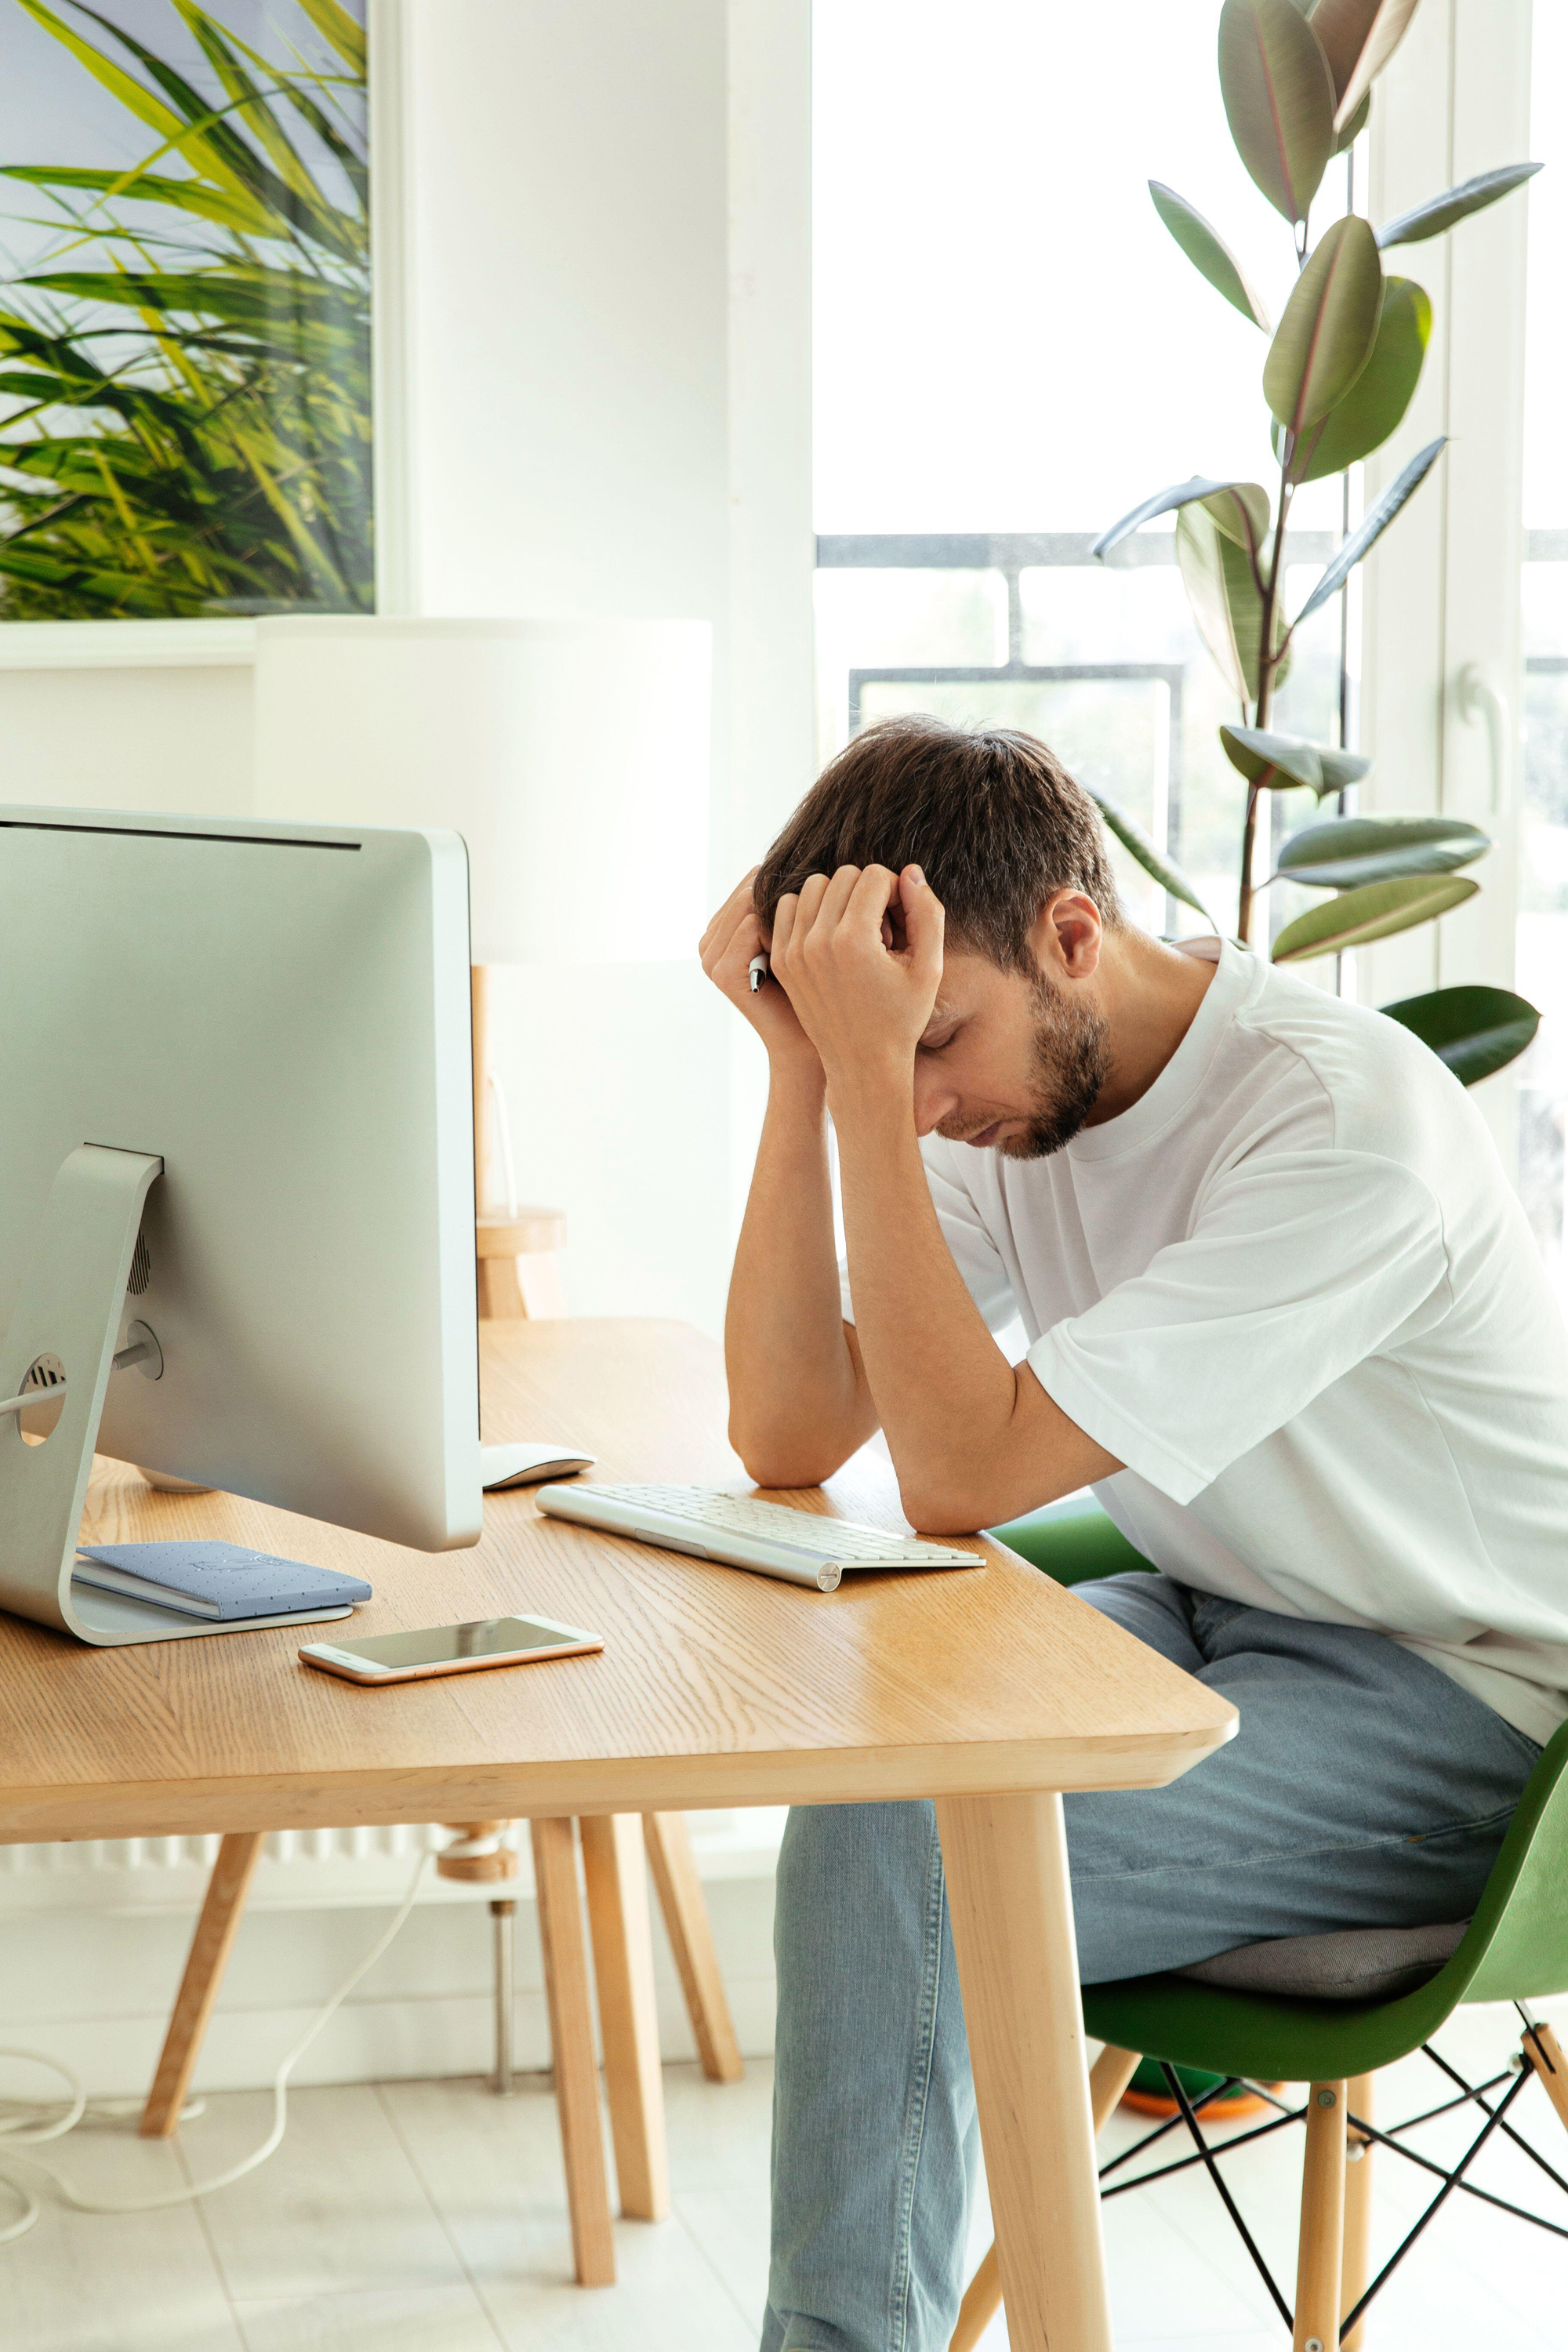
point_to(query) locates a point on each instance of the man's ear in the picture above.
(1067, 936)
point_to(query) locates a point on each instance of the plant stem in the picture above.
(1248, 832)
(1268, 663)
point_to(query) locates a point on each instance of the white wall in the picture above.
(627, 446)
(570, 438)
(127, 739)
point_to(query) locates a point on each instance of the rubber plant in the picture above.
(1340, 371)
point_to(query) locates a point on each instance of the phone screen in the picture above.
(436, 1646)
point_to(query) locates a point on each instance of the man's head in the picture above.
(1017, 1049)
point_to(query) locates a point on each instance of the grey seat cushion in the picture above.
(1350, 1964)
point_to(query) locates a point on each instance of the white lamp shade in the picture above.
(571, 755)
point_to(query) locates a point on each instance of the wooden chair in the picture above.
(1515, 1949)
(613, 1848)
(519, 1264)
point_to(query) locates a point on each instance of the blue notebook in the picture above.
(216, 1580)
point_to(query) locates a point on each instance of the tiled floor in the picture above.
(428, 2216)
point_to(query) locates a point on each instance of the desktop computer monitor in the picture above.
(236, 1154)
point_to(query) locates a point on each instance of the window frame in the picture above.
(1441, 594)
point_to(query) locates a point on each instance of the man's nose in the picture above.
(934, 1101)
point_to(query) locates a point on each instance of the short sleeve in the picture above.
(1299, 1265)
(975, 1255)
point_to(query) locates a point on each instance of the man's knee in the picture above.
(870, 1844)
(853, 1881)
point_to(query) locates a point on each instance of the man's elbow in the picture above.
(772, 1461)
(936, 1509)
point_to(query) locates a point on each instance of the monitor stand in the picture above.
(68, 1320)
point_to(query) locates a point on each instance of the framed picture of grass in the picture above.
(186, 411)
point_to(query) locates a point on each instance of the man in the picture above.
(1283, 1312)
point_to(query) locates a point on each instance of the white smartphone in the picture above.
(450, 1649)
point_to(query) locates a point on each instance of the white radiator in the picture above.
(177, 1852)
(317, 1869)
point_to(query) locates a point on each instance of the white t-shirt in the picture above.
(1292, 1289)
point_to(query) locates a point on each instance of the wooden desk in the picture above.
(991, 1692)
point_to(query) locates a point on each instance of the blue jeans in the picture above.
(1364, 1787)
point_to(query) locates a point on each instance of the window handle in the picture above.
(1479, 699)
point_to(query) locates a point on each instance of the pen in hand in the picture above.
(757, 971)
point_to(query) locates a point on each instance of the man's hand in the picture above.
(728, 945)
(860, 956)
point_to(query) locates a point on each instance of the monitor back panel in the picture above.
(281, 1012)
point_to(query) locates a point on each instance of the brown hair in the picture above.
(991, 816)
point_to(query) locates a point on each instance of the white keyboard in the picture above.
(769, 1538)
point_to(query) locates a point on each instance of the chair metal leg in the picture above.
(1321, 2259)
(1108, 2078)
(1358, 2206)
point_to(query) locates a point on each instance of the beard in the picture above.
(1071, 1060)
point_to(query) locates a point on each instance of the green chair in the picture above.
(1514, 1950)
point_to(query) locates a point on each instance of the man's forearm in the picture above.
(974, 1440)
(798, 1406)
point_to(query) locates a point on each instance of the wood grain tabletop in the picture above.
(714, 1687)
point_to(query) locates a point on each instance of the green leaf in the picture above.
(1279, 100)
(1440, 213)
(339, 30)
(209, 142)
(1179, 494)
(249, 102)
(1475, 1030)
(1353, 129)
(198, 196)
(1208, 253)
(1279, 760)
(1371, 912)
(274, 303)
(1347, 851)
(1372, 527)
(1375, 404)
(1241, 512)
(1358, 38)
(1342, 27)
(1223, 591)
(204, 144)
(1326, 336)
(1133, 839)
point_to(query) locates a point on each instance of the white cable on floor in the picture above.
(78, 2106)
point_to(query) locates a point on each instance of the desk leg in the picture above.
(572, 2046)
(222, 1911)
(616, 1874)
(1007, 1865)
(681, 1899)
